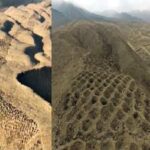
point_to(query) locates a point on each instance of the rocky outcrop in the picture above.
(25, 61)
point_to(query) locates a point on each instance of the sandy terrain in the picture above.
(25, 69)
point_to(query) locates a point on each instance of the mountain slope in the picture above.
(114, 15)
(126, 16)
(58, 18)
(102, 97)
(71, 12)
(144, 15)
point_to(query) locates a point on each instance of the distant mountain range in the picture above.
(58, 18)
(132, 15)
(144, 15)
(124, 16)
(65, 12)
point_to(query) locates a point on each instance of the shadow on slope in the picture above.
(39, 80)
(32, 50)
(7, 26)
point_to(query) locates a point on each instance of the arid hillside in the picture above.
(138, 36)
(25, 70)
(101, 89)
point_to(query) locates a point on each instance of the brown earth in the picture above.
(25, 69)
(101, 90)
(138, 35)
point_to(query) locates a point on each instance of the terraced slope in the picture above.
(25, 67)
(101, 101)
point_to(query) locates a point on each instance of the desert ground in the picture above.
(101, 86)
(25, 70)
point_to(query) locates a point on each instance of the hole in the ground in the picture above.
(103, 101)
(42, 19)
(7, 26)
(39, 80)
(135, 115)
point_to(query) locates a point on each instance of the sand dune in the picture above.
(25, 65)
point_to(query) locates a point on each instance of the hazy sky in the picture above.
(119, 5)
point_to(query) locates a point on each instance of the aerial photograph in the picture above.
(25, 75)
(101, 74)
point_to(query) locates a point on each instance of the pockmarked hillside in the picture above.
(101, 101)
(25, 70)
